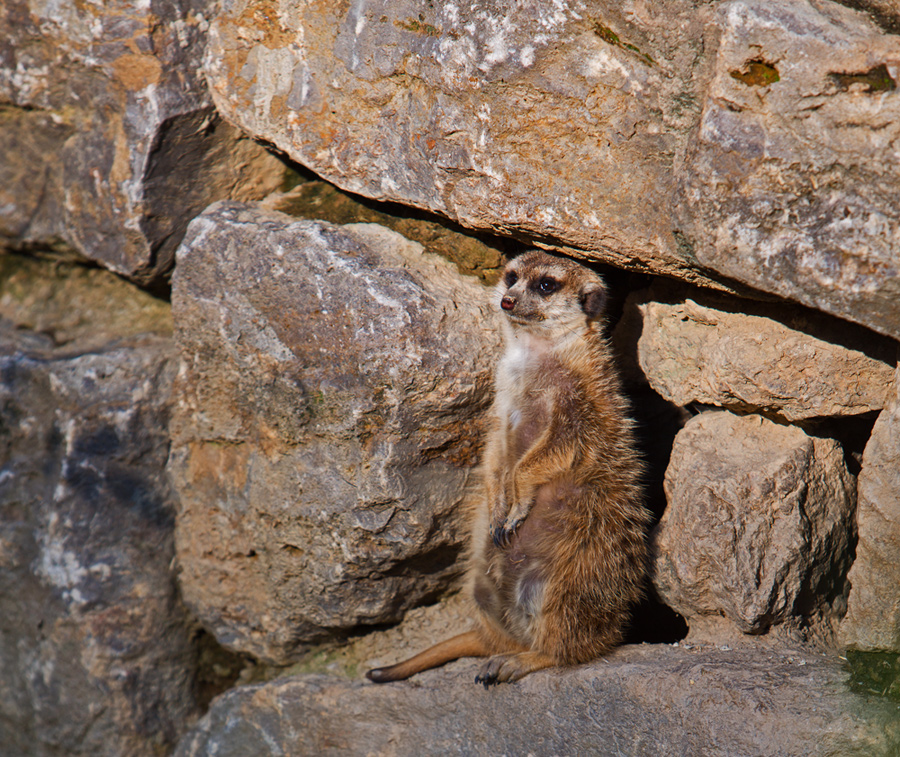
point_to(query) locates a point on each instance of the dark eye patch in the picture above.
(510, 279)
(546, 285)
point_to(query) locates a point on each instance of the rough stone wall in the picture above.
(743, 141)
(110, 142)
(257, 470)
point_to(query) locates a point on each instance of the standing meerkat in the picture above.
(558, 545)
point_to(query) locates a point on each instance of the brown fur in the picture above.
(558, 547)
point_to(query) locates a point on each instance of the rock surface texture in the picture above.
(743, 141)
(109, 140)
(276, 468)
(328, 418)
(648, 701)
(504, 117)
(758, 523)
(791, 181)
(96, 648)
(795, 364)
(873, 611)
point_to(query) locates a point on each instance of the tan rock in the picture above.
(791, 183)
(758, 523)
(873, 610)
(793, 363)
(563, 125)
(328, 420)
(109, 140)
(643, 700)
(747, 141)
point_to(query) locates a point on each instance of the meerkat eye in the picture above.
(510, 279)
(547, 285)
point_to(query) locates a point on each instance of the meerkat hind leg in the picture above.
(506, 668)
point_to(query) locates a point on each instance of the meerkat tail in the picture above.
(465, 645)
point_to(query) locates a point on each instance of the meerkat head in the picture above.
(549, 295)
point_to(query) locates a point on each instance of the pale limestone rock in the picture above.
(793, 363)
(561, 123)
(328, 420)
(873, 610)
(747, 141)
(790, 185)
(758, 524)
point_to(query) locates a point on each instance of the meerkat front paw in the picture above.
(503, 533)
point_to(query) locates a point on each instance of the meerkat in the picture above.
(558, 552)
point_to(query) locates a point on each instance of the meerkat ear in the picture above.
(593, 300)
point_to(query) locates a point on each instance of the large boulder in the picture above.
(873, 611)
(745, 141)
(788, 362)
(110, 142)
(97, 652)
(648, 700)
(563, 125)
(329, 416)
(790, 184)
(758, 526)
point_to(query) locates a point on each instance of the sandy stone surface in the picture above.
(758, 523)
(647, 700)
(328, 420)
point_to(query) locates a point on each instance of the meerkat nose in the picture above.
(508, 303)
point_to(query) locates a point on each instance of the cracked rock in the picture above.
(327, 424)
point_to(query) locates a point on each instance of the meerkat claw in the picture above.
(484, 681)
(487, 679)
(503, 535)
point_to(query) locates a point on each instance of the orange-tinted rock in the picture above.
(327, 424)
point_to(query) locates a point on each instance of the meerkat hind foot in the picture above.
(506, 668)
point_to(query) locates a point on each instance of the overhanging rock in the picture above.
(748, 141)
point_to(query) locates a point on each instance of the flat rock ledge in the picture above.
(642, 700)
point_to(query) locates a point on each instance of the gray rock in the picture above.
(328, 419)
(873, 609)
(758, 524)
(96, 649)
(563, 125)
(109, 140)
(642, 700)
(794, 363)
(652, 137)
(791, 183)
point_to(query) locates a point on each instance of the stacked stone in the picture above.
(284, 454)
(760, 523)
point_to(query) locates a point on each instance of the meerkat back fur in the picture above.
(558, 552)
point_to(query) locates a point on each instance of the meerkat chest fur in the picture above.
(519, 373)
